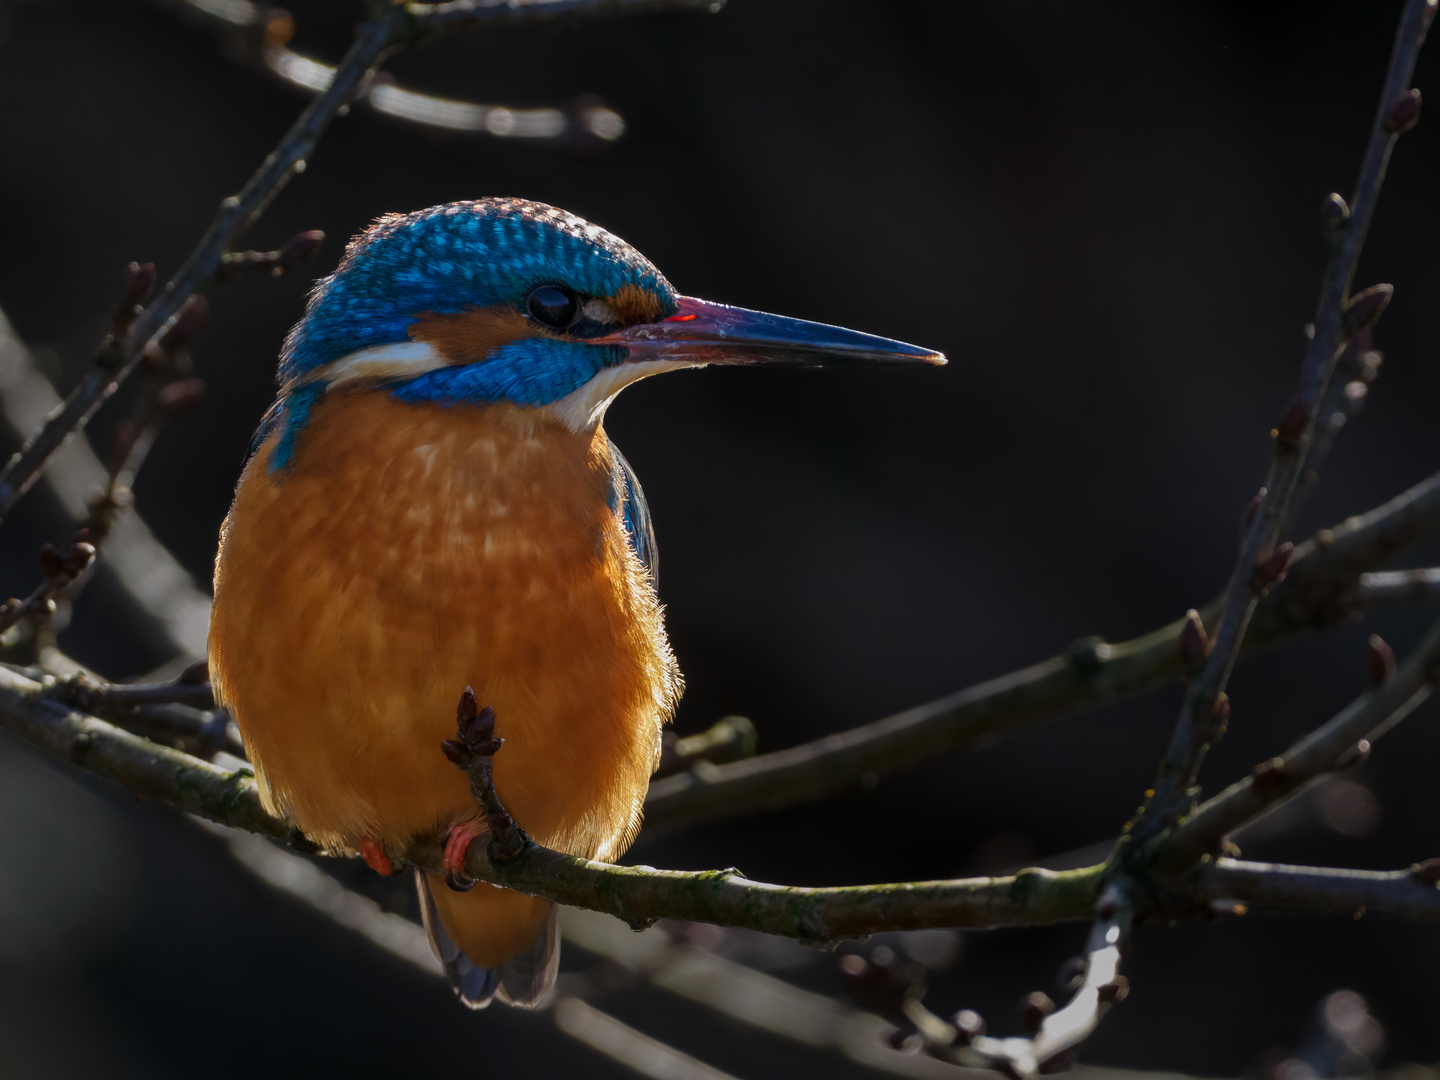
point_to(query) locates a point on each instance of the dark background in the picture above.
(1105, 213)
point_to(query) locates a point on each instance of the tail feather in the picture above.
(524, 979)
(527, 978)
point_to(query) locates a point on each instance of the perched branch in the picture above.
(227, 796)
(1318, 591)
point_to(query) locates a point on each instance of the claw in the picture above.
(457, 843)
(375, 857)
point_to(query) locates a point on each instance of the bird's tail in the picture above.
(492, 942)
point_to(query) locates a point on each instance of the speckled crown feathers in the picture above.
(450, 258)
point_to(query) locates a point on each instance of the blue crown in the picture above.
(450, 258)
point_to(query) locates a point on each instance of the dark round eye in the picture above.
(553, 305)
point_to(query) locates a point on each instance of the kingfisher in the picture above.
(432, 503)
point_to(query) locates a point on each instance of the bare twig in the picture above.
(60, 569)
(729, 739)
(393, 26)
(1408, 894)
(374, 39)
(298, 249)
(159, 598)
(1342, 741)
(1263, 559)
(1318, 591)
(191, 688)
(262, 33)
(1398, 587)
(1060, 1032)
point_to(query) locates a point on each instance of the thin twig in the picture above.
(393, 26)
(1388, 587)
(1323, 890)
(159, 601)
(191, 688)
(1342, 741)
(1060, 1032)
(731, 738)
(237, 213)
(60, 569)
(1319, 591)
(1263, 559)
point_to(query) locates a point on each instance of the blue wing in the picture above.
(627, 499)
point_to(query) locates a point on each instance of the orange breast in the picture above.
(409, 551)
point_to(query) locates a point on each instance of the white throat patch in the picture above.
(583, 409)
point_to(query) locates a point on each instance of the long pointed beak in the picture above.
(706, 333)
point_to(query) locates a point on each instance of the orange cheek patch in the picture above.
(468, 337)
(633, 304)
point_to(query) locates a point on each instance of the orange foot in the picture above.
(456, 844)
(375, 857)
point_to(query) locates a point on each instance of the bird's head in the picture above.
(504, 300)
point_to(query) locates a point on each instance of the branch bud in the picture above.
(187, 325)
(1381, 658)
(1272, 568)
(969, 1024)
(1194, 643)
(1220, 717)
(1365, 307)
(1427, 871)
(299, 248)
(1032, 1011)
(1356, 755)
(1268, 774)
(1116, 991)
(1071, 974)
(196, 674)
(1291, 425)
(1248, 517)
(182, 395)
(1404, 113)
(1334, 214)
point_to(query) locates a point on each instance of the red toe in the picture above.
(457, 843)
(375, 857)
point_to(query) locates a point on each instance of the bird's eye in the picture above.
(553, 305)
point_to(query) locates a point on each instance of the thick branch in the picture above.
(140, 766)
(1319, 591)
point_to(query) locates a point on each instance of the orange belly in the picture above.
(410, 551)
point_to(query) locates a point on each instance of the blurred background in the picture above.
(1105, 213)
